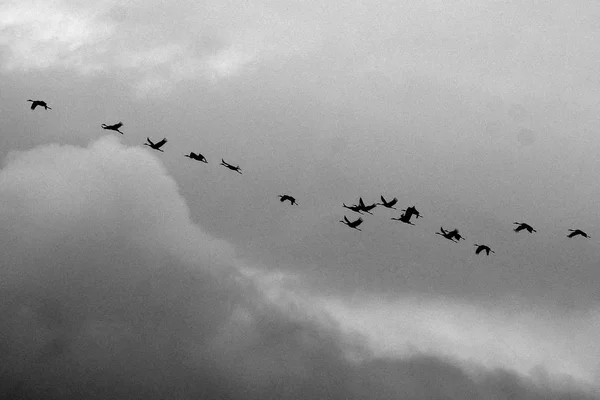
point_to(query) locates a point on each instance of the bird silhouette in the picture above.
(404, 218)
(483, 247)
(156, 146)
(366, 208)
(352, 224)
(454, 233)
(198, 157)
(447, 234)
(388, 204)
(523, 225)
(575, 232)
(413, 211)
(355, 207)
(41, 103)
(114, 127)
(285, 197)
(231, 167)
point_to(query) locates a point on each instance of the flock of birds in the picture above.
(360, 208)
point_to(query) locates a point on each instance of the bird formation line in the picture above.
(360, 208)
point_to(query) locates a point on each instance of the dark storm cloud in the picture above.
(108, 290)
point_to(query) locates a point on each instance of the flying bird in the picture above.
(231, 167)
(454, 233)
(413, 211)
(355, 207)
(523, 225)
(285, 197)
(483, 247)
(447, 234)
(35, 103)
(352, 224)
(404, 218)
(156, 146)
(366, 208)
(114, 127)
(198, 157)
(388, 204)
(575, 232)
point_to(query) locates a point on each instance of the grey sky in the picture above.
(480, 113)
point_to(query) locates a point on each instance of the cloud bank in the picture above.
(109, 290)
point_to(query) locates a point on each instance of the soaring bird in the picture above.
(454, 233)
(388, 204)
(483, 247)
(355, 208)
(231, 167)
(194, 156)
(575, 232)
(285, 197)
(366, 208)
(352, 224)
(156, 146)
(404, 218)
(523, 225)
(114, 127)
(35, 103)
(413, 211)
(447, 234)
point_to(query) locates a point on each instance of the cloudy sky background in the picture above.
(145, 273)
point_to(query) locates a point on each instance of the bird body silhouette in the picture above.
(523, 225)
(388, 204)
(454, 233)
(366, 208)
(575, 232)
(404, 218)
(41, 103)
(352, 224)
(483, 247)
(196, 156)
(231, 167)
(156, 146)
(289, 198)
(355, 207)
(447, 234)
(413, 211)
(114, 127)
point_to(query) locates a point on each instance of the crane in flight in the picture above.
(483, 247)
(41, 103)
(196, 156)
(404, 218)
(366, 208)
(231, 167)
(114, 127)
(156, 146)
(352, 224)
(575, 232)
(447, 234)
(523, 225)
(355, 207)
(388, 204)
(454, 233)
(413, 211)
(289, 198)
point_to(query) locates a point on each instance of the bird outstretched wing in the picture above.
(162, 142)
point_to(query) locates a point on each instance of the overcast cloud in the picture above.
(131, 273)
